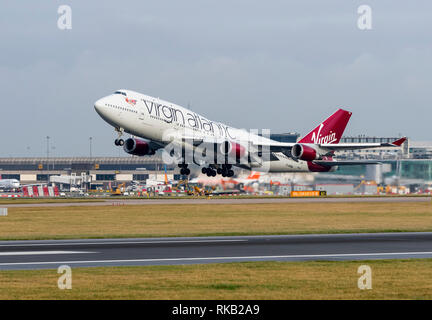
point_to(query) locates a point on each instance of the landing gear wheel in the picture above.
(211, 173)
(204, 170)
(230, 173)
(119, 142)
(185, 171)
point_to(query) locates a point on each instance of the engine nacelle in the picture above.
(315, 167)
(305, 152)
(137, 147)
(233, 149)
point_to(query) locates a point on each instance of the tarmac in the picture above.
(214, 200)
(50, 254)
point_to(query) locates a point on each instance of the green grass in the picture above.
(391, 279)
(213, 220)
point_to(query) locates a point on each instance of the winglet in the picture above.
(399, 142)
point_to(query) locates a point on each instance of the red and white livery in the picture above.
(151, 120)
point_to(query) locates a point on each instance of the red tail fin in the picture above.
(399, 142)
(329, 131)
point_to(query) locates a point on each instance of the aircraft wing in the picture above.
(353, 146)
(275, 146)
(344, 163)
(267, 145)
(286, 146)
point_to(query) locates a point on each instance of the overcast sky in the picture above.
(282, 65)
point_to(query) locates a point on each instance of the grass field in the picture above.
(213, 219)
(391, 279)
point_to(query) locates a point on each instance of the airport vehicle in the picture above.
(192, 189)
(118, 191)
(9, 184)
(190, 138)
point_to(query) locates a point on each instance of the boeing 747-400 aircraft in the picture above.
(216, 147)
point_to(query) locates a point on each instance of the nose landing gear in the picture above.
(119, 141)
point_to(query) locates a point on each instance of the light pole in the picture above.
(47, 137)
(47, 164)
(90, 140)
(53, 148)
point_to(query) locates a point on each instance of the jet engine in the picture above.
(305, 152)
(137, 147)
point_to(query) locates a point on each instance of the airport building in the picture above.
(285, 137)
(420, 150)
(97, 170)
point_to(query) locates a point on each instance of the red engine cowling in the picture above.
(137, 147)
(304, 152)
(233, 149)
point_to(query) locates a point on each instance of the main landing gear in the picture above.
(184, 170)
(119, 141)
(225, 170)
(210, 172)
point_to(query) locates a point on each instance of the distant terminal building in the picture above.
(420, 150)
(282, 137)
(285, 137)
(99, 169)
(408, 164)
(404, 171)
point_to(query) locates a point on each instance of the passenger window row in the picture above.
(122, 108)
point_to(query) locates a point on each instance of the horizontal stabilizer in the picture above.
(344, 163)
(354, 146)
(399, 142)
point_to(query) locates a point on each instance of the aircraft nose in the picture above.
(99, 105)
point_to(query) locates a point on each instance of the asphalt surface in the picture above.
(50, 254)
(214, 200)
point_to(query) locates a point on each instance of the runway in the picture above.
(50, 254)
(215, 200)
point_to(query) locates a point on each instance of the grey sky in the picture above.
(283, 65)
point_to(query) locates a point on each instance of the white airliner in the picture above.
(252, 178)
(9, 184)
(157, 124)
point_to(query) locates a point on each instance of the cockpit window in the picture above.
(120, 92)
